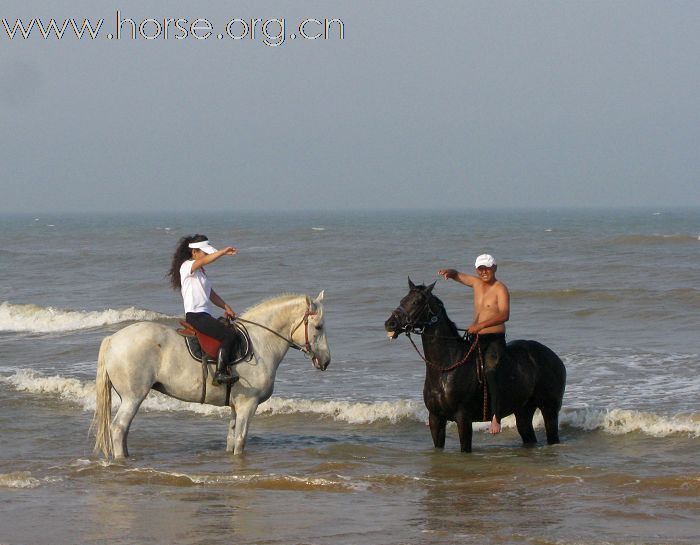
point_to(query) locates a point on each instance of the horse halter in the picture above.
(411, 325)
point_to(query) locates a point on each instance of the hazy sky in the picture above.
(423, 104)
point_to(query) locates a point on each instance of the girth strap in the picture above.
(205, 375)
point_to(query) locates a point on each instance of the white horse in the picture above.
(147, 355)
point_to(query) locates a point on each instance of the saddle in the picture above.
(204, 348)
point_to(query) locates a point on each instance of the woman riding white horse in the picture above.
(187, 274)
(148, 355)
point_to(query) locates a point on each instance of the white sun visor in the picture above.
(204, 246)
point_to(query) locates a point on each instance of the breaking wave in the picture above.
(272, 481)
(37, 319)
(622, 421)
(18, 479)
(613, 421)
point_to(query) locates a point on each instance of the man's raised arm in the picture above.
(462, 278)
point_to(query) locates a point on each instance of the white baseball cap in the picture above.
(484, 260)
(204, 246)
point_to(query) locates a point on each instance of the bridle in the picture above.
(306, 348)
(411, 325)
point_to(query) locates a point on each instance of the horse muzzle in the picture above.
(394, 326)
(319, 363)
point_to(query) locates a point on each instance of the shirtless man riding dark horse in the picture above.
(491, 312)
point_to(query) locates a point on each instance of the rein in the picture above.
(459, 363)
(306, 348)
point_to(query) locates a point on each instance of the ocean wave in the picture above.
(613, 421)
(657, 238)
(38, 319)
(66, 389)
(616, 422)
(18, 479)
(348, 411)
(267, 481)
(624, 421)
(260, 248)
(569, 294)
(272, 481)
(686, 296)
(82, 394)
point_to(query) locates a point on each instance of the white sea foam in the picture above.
(37, 319)
(18, 479)
(316, 482)
(71, 390)
(348, 411)
(613, 421)
(265, 480)
(622, 421)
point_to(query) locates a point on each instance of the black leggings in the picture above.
(209, 325)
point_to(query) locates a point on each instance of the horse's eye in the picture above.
(318, 327)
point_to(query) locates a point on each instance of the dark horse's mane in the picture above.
(442, 313)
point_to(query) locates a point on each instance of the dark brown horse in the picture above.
(529, 376)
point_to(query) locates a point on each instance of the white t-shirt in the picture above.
(196, 288)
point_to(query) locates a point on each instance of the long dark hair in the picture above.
(182, 253)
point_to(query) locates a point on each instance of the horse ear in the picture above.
(320, 296)
(411, 285)
(309, 302)
(431, 286)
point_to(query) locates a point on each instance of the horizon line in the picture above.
(659, 208)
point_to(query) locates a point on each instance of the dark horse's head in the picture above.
(415, 311)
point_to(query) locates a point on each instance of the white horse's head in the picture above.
(313, 333)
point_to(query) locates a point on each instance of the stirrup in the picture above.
(223, 377)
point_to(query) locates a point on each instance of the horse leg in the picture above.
(122, 421)
(464, 428)
(523, 420)
(551, 424)
(231, 430)
(437, 429)
(243, 415)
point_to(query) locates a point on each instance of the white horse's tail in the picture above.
(103, 405)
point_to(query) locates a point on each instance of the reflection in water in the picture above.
(147, 514)
(486, 496)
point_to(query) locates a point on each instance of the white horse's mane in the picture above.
(272, 301)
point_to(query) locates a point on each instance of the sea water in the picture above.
(345, 456)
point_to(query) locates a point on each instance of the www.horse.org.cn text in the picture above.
(272, 32)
